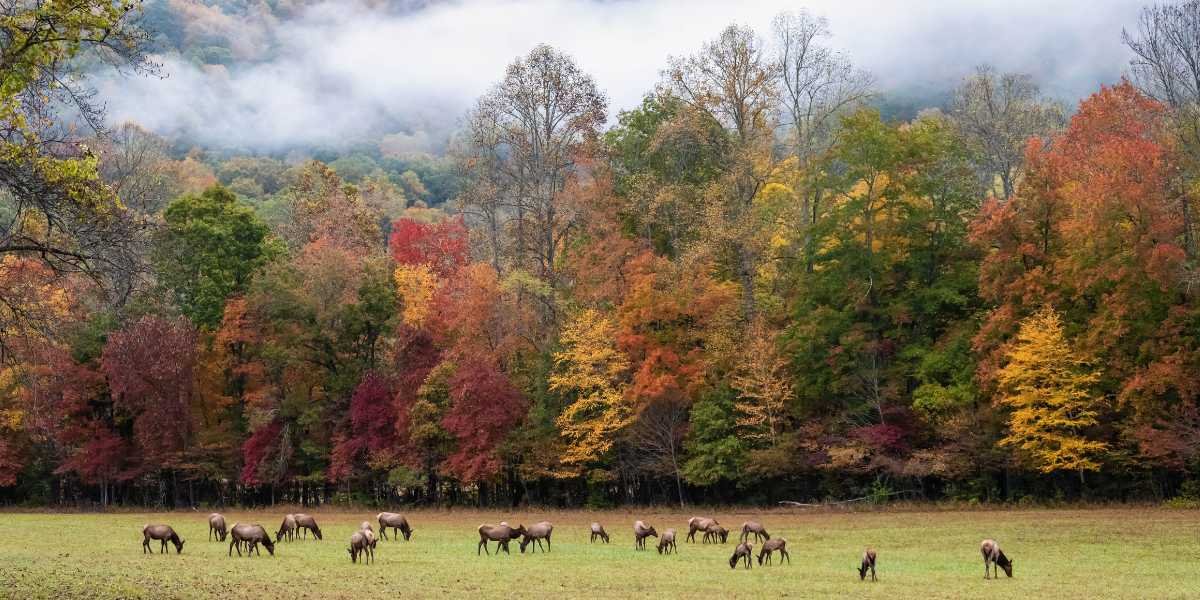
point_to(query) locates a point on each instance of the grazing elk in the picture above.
(993, 555)
(770, 546)
(868, 563)
(760, 532)
(666, 543)
(251, 536)
(287, 529)
(366, 530)
(598, 532)
(744, 551)
(536, 533)
(715, 532)
(162, 533)
(699, 524)
(307, 523)
(641, 531)
(216, 526)
(360, 546)
(501, 534)
(397, 522)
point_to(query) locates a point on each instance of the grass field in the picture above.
(1059, 554)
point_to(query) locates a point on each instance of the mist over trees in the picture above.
(752, 286)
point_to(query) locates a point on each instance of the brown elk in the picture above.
(699, 524)
(641, 531)
(287, 529)
(868, 563)
(216, 526)
(360, 546)
(251, 536)
(666, 543)
(397, 522)
(366, 530)
(307, 523)
(162, 533)
(993, 555)
(744, 551)
(598, 532)
(501, 534)
(536, 533)
(771, 546)
(715, 532)
(756, 528)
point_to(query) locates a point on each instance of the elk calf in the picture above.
(162, 533)
(598, 532)
(397, 522)
(699, 524)
(641, 531)
(286, 529)
(216, 526)
(536, 533)
(743, 551)
(360, 546)
(771, 546)
(993, 555)
(714, 533)
(756, 528)
(666, 543)
(868, 563)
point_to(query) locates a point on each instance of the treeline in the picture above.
(751, 287)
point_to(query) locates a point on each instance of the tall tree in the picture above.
(591, 371)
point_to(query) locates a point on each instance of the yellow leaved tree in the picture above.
(591, 369)
(1047, 384)
(763, 386)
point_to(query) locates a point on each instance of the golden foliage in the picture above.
(591, 368)
(415, 285)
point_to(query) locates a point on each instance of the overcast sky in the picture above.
(346, 72)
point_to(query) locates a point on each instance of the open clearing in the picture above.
(1060, 554)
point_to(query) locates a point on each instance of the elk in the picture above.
(369, 533)
(536, 533)
(666, 543)
(868, 563)
(397, 522)
(216, 526)
(743, 552)
(307, 523)
(757, 529)
(287, 529)
(162, 533)
(252, 536)
(993, 555)
(641, 531)
(501, 534)
(598, 532)
(770, 546)
(699, 524)
(715, 532)
(360, 546)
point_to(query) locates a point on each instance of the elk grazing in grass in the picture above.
(501, 534)
(699, 524)
(307, 523)
(162, 533)
(287, 529)
(360, 546)
(756, 528)
(397, 522)
(744, 552)
(770, 546)
(216, 526)
(868, 564)
(251, 536)
(372, 540)
(535, 534)
(598, 532)
(714, 533)
(641, 531)
(993, 555)
(666, 543)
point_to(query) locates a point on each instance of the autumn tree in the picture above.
(590, 370)
(1048, 386)
(764, 389)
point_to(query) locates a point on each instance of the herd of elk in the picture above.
(162, 533)
(363, 541)
(598, 532)
(641, 531)
(397, 522)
